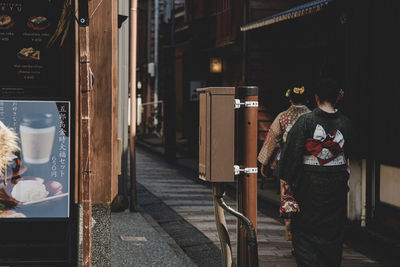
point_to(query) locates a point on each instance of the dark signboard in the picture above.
(37, 182)
(31, 65)
(37, 100)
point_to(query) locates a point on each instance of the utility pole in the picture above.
(132, 86)
(247, 184)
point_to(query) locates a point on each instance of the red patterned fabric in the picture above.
(314, 147)
(288, 203)
(289, 206)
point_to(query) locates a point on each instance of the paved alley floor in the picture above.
(137, 240)
(183, 207)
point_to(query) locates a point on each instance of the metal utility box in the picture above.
(217, 134)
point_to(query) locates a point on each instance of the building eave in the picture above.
(293, 13)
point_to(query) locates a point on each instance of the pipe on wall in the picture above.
(363, 192)
(132, 86)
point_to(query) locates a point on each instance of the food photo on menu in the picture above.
(29, 54)
(34, 180)
(6, 22)
(38, 23)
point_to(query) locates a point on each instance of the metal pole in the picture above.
(251, 232)
(156, 22)
(226, 250)
(132, 86)
(85, 146)
(121, 202)
(247, 184)
(244, 43)
(170, 109)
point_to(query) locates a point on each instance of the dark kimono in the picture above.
(313, 162)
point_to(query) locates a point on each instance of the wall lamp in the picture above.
(215, 65)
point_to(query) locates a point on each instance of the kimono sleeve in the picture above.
(291, 159)
(271, 142)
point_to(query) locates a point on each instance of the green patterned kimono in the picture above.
(313, 162)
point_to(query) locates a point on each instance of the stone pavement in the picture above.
(137, 240)
(183, 207)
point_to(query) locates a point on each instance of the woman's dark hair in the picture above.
(297, 93)
(327, 90)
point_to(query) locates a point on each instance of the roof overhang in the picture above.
(296, 12)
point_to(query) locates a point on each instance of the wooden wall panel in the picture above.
(104, 64)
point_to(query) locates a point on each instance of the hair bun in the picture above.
(297, 94)
(295, 90)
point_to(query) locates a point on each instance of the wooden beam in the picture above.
(85, 144)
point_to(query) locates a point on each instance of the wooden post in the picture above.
(85, 145)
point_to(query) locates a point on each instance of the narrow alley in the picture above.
(182, 205)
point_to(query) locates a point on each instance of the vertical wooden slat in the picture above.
(85, 146)
(78, 198)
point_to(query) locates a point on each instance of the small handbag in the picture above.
(289, 204)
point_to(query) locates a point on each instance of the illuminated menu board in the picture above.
(37, 181)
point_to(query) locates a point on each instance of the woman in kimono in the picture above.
(269, 153)
(314, 164)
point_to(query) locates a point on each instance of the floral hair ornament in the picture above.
(287, 93)
(298, 91)
(341, 93)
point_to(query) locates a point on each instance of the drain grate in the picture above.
(133, 238)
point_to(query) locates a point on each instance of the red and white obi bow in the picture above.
(323, 146)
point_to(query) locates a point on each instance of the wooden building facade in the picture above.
(74, 89)
(353, 42)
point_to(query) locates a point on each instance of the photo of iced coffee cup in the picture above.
(37, 136)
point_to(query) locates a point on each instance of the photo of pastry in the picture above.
(38, 23)
(29, 54)
(6, 22)
(29, 190)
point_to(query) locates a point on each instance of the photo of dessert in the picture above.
(6, 22)
(29, 54)
(29, 190)
(38, 23)
(34, 180)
